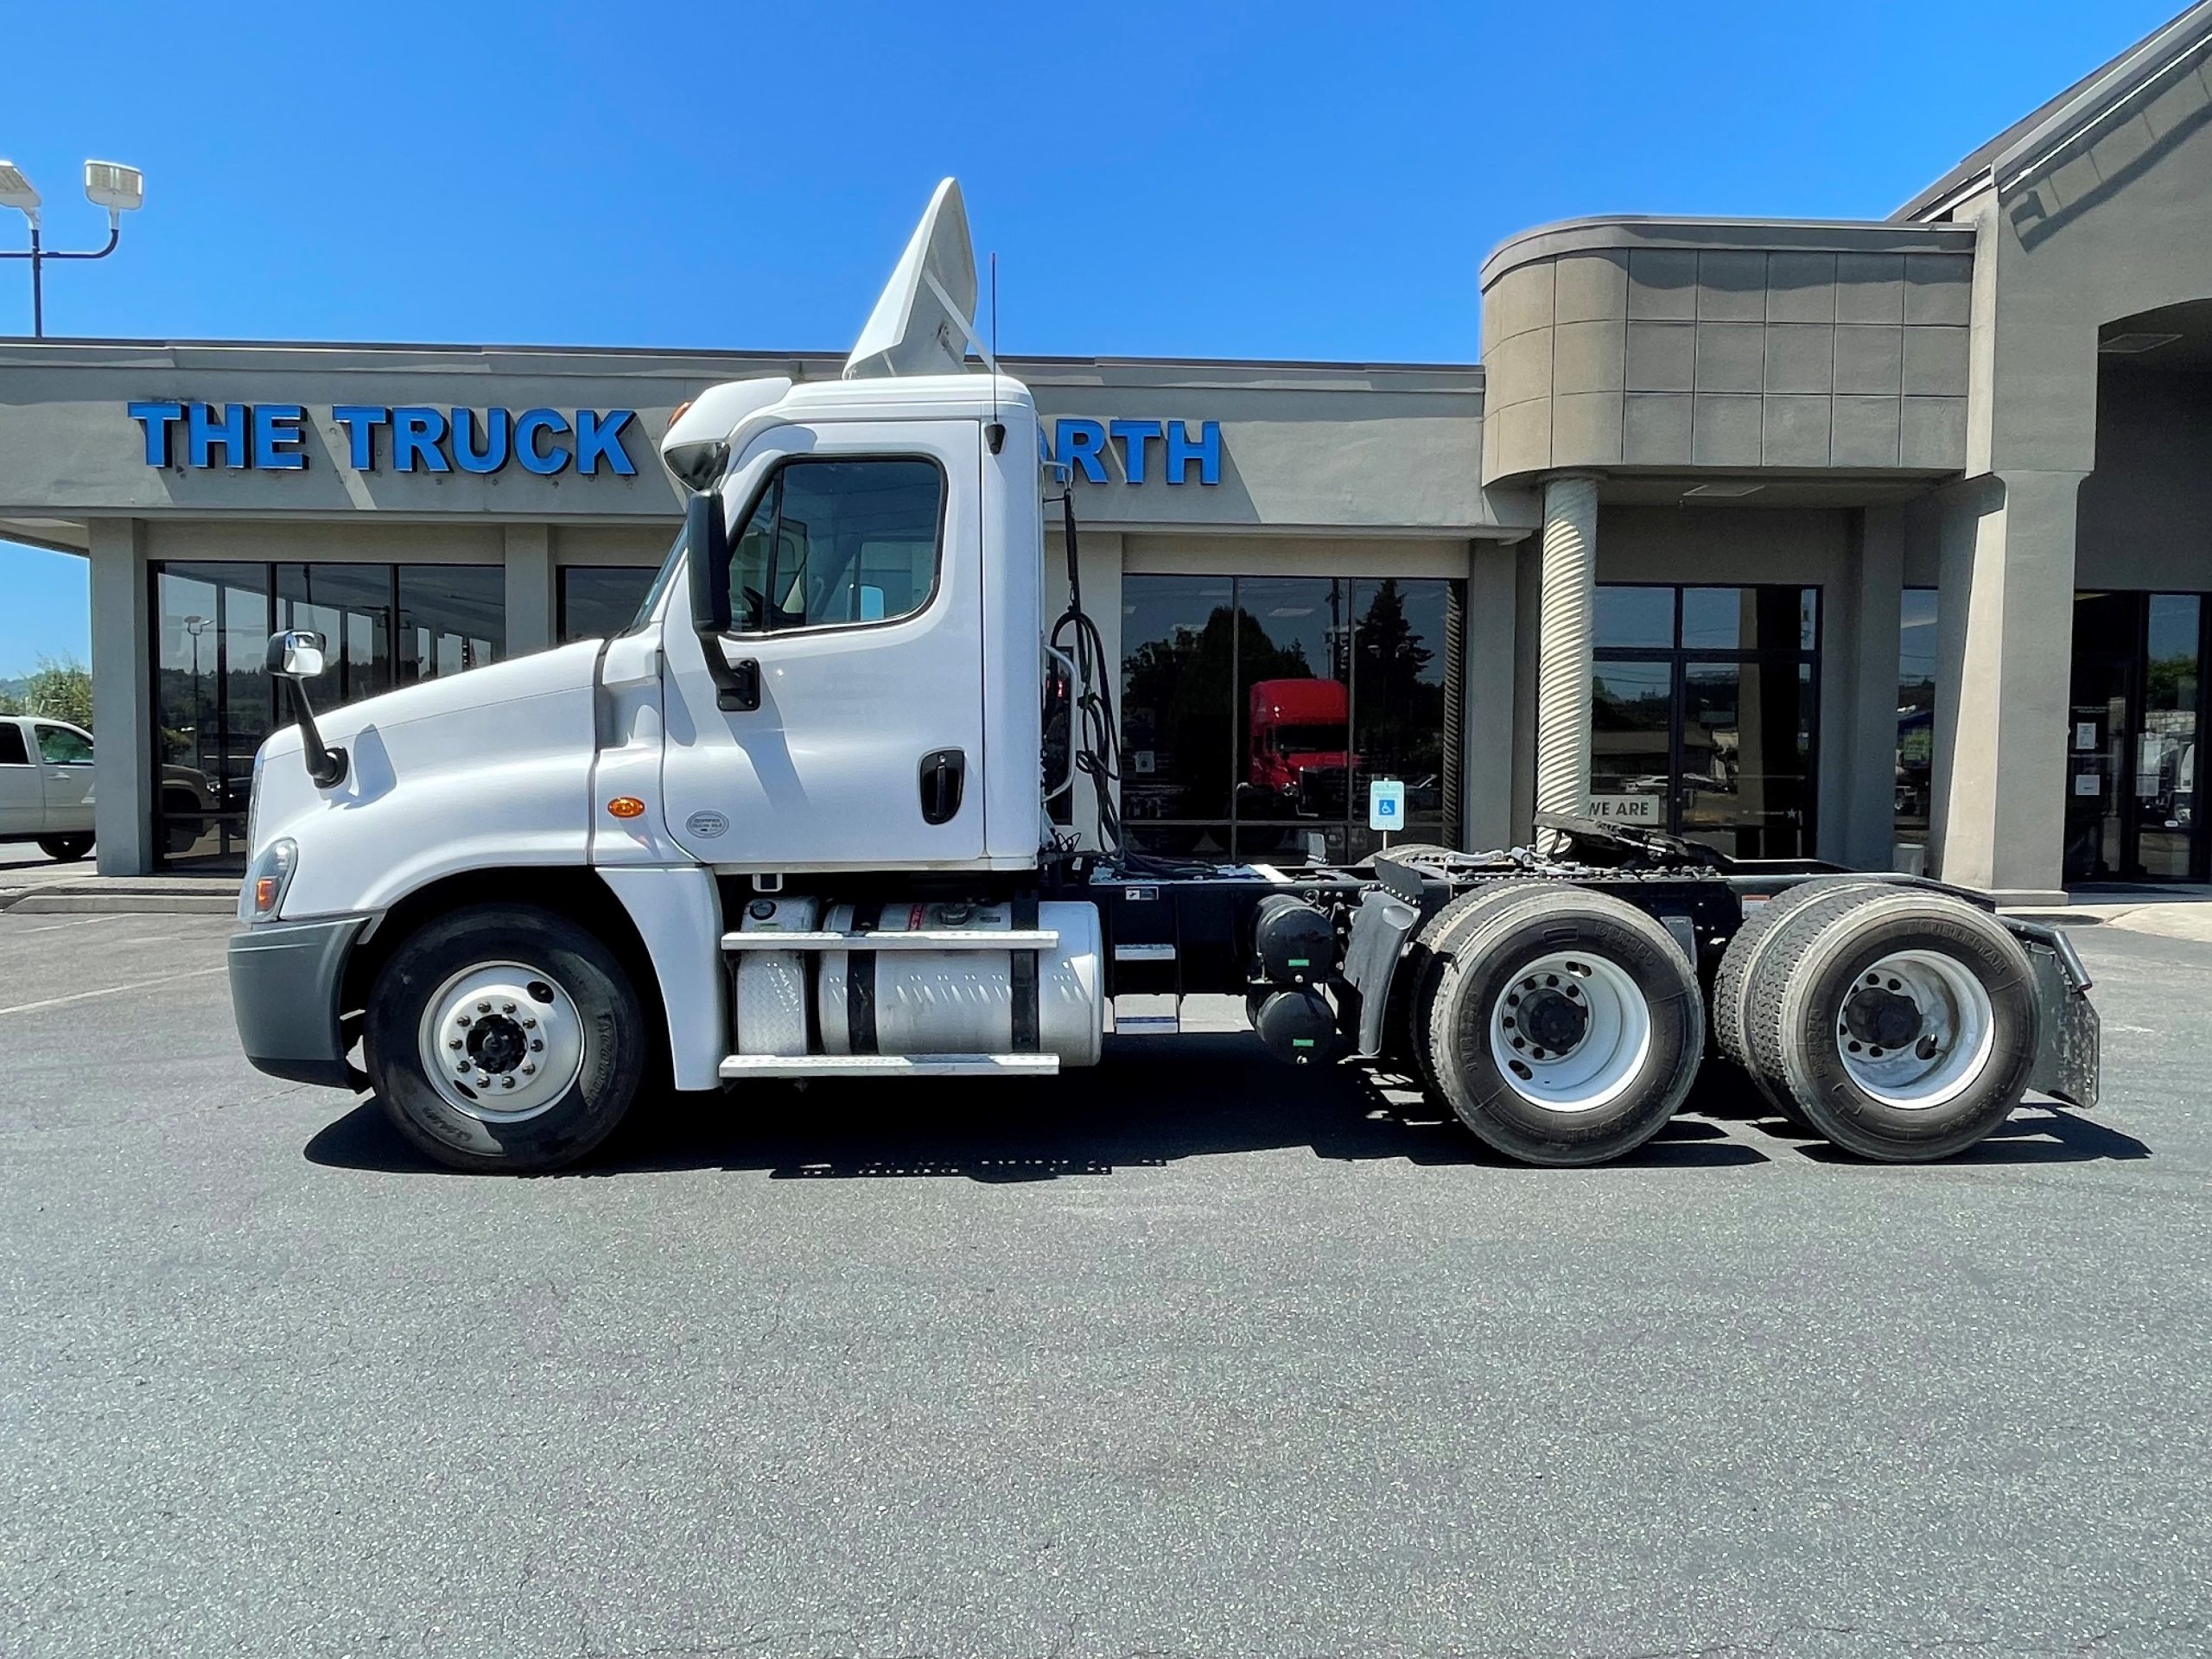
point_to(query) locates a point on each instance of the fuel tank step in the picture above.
(890, 1065)
(921, 938)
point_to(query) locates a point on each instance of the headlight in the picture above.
(266, 878)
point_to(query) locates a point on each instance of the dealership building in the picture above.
(1883, 542)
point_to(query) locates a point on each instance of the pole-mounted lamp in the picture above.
(111, 185)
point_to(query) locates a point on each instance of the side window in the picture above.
(12, 752)
(60, 747)
(835, 542)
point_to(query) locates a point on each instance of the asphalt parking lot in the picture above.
(1193, 1355)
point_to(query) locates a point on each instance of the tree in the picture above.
(60, 690)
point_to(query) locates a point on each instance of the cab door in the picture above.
(856, 597)
(66, 754)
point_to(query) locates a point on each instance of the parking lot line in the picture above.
(111, 990)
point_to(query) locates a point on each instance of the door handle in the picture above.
(943, 773)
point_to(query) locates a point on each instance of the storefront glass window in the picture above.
(1256, 711)
(1915, 760)
(1703, 714)
(601, 600)
(214, 704)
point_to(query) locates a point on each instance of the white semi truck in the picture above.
(793, 822)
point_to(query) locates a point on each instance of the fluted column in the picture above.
(1566, 603)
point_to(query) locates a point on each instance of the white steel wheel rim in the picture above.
(1597, 1068)
(502, 1041)
(1957, 1035)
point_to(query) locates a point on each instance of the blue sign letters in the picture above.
(1082, 445)
(272, 438)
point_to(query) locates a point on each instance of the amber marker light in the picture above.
(625, 806)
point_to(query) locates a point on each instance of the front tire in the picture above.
(1566, 1027)
(64, 849)
(505, 1037)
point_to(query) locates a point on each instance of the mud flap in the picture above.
(2067, 1059)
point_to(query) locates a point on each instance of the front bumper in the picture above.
(285, 978)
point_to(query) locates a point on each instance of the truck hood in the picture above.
(480, 771)
(569, 668)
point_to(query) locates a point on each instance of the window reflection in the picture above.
(1702, 716)
(1916, 758)
(598, 602)
(214, 704)
(1256, 712)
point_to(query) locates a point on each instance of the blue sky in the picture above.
(1224, 179)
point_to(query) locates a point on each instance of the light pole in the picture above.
(111, 185)
(196, 625)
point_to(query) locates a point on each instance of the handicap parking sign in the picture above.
(1386, 804)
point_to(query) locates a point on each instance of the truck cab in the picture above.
(792, 822)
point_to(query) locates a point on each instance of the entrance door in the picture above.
(2096, 765)
(2131, 808)
(856, 585)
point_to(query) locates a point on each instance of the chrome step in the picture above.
(890, 1065)
(921, 938)
(1148, 1024)
(1144, 953)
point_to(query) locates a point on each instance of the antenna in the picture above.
(996, 432)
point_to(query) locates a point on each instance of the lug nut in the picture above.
(484, 1079)
(529, 1067)
(530, 1022)
(507, 1007)
(453, 1042)
(483, 1007)
(464, 1065)
(461, 1019)
(506, 1082)
(535, 1043)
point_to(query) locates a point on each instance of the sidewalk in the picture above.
(43, 888)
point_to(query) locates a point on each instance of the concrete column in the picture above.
(2006, 626)
(1567, 601)
(532, 616)
(1487, 757)
(1858, 789)
(123, 713)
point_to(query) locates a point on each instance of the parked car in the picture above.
(46, 785)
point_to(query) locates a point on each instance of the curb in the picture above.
(39, 902)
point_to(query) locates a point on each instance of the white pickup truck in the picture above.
(46, 785)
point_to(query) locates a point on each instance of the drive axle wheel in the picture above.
(1565, 1026)
(505, 1037)
(1902, 1025)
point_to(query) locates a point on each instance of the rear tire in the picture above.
(1741, 978)
(64, 849)
(546, 1040)
(1423, 971)
(1901, 1025)
(1565, 1026)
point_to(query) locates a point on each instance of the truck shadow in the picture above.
(1154, 1101)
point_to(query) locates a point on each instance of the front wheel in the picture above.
(505, 1037)
(65, 850)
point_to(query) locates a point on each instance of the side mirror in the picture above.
(706, 558)
(296, 654)
(706, 552)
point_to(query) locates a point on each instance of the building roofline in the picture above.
(1614, 231)
(21, 349)
(2057, 123)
